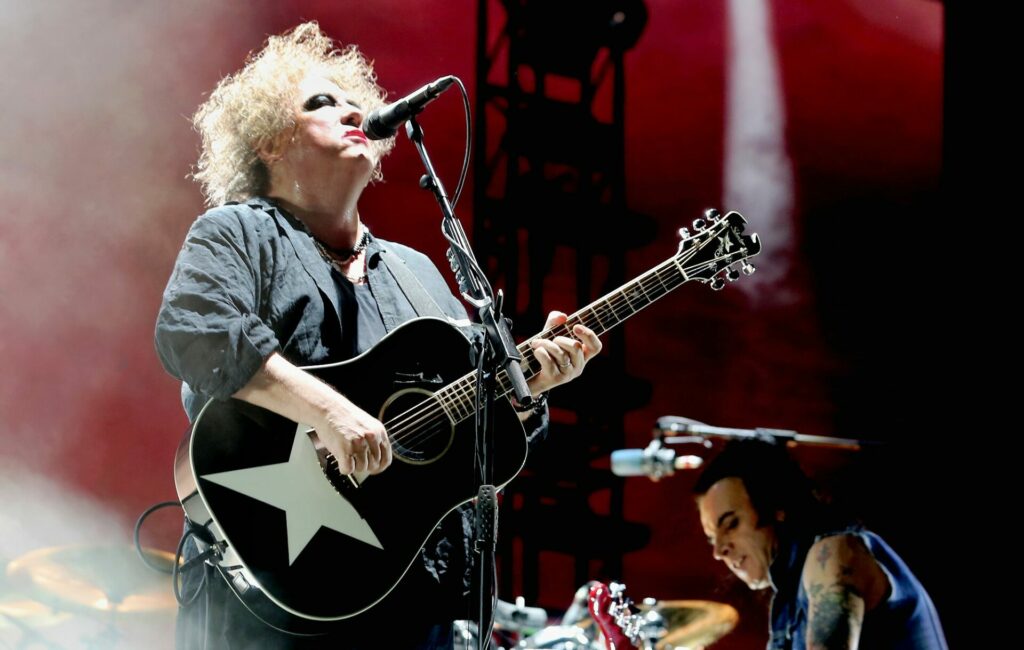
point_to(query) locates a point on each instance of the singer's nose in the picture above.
(352, 116)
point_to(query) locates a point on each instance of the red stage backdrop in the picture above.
(821, 122)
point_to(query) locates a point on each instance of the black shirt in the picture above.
(248, 282)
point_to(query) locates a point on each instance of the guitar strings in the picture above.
(407, 428)
(620, 304)
(461, 391)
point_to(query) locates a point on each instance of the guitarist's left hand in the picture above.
(563, 358)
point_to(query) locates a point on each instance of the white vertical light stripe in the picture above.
(758, 177)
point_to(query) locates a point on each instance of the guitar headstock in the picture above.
(717, 251)
(609, 608)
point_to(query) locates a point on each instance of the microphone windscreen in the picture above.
(628, 462)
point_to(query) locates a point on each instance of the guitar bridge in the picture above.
(329, 466)
(343, 483)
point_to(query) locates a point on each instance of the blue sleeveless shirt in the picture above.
(905, 620)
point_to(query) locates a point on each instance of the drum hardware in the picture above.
(659, 624)
(654, 624)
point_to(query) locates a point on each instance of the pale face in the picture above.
(327, 140)
(731, 525)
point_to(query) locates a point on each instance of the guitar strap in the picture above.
(410, 285)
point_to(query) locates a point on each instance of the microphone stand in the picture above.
(699, 432)
(496, 351)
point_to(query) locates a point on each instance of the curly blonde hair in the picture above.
(251, 106)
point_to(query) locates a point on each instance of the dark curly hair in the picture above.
(773, 480)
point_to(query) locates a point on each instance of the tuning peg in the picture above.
(712, 214)
(699, 224)
(684, 233)
(748, 269)
(717, 284)
(732, 275)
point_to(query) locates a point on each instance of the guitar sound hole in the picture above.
(419, 429)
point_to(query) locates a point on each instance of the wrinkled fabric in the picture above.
(249, 282)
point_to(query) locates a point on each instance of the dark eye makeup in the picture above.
(319, 101)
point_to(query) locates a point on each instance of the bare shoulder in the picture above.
(844, 561)
(843, 582)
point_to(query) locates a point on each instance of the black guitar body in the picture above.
(303, 545)
(336, 576)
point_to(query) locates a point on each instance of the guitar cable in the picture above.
(178, 568)
(177, 581)
(138, 531)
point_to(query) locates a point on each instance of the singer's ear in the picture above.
(271, 149)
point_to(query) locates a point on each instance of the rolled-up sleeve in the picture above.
(210, 331)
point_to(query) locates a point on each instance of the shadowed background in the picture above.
(827, 135)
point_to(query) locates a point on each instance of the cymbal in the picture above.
(692, 623)
(17, 610)
(96, 579)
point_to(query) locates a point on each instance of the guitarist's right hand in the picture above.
(354, 437)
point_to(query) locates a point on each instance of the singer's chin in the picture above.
(372, 158)
(360, 153)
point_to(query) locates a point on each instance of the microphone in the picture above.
(383, 122)
(653, 462)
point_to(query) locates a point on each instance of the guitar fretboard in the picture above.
(701, 257)
(459, 398)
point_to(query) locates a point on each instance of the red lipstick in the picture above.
(357, 133)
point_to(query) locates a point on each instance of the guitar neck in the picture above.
(604, 314)
(459, 398)
(710, 256)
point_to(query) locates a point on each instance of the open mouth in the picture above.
(357, 134)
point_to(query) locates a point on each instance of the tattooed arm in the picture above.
(843, 583)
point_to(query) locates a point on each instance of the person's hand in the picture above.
(356, 439)
(562, 359)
